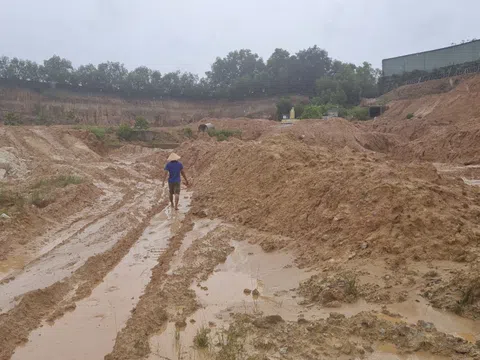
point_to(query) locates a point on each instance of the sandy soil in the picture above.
(319, 240)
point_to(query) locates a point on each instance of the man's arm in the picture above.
(184, 176)
(165, 178)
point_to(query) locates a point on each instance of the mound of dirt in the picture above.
(339, 337)
(334, 201)
(338, 133)
(460, 293)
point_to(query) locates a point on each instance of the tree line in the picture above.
(241, 74)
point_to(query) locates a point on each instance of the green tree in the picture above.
(57, 69)
(139, 79)
(87, 75)
(278, 70)
(240, 74)
(226, 72)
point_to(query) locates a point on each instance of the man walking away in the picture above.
(173, 170)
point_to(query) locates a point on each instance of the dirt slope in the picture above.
(445, 126)
(336, 203)
(59, 107)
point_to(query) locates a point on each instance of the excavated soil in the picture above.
(444, 127)
(337, 204)
(325, 239)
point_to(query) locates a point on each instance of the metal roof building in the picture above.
(434, 59)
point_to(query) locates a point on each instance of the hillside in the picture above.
(61, 107)
(445, 125)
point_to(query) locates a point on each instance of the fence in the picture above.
(388, 83)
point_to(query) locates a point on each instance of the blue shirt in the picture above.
(174, 168)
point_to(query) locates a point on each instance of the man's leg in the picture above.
(177, 195)
(177, 199)
(171, 191)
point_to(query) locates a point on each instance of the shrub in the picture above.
(188, 132)
(125, 132)
(201, 339)
(359, 113)
(141, 123)
(314, 112)
(410, 116)
(223, 135)
(98, 132)
(11, 119)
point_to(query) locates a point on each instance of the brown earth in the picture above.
(334, 201)
(360, 205)
(338, 337)
(445, 126)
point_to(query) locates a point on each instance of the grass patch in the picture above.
(10, 201)
(42, 194)
(233, 343)
(351, 286)
(59, 181)
(201, 339)
(223, 135)
(188, 132)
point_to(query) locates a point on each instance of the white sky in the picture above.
(188, 35)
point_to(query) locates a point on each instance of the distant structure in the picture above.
(332, 113)
(205, 127)
(434, 59)
(292, 113)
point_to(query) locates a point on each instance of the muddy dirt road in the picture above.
(95, 264)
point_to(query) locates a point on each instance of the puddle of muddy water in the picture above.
(388, 351)
(70, 249)
(89, 331)
(201, 228)
(275, 276)
(248, 267)
(413, 311)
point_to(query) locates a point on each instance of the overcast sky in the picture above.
(188, 34)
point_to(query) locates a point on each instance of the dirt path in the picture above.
(97, 318)
(107, 270)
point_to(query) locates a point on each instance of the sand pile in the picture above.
(336, 204)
